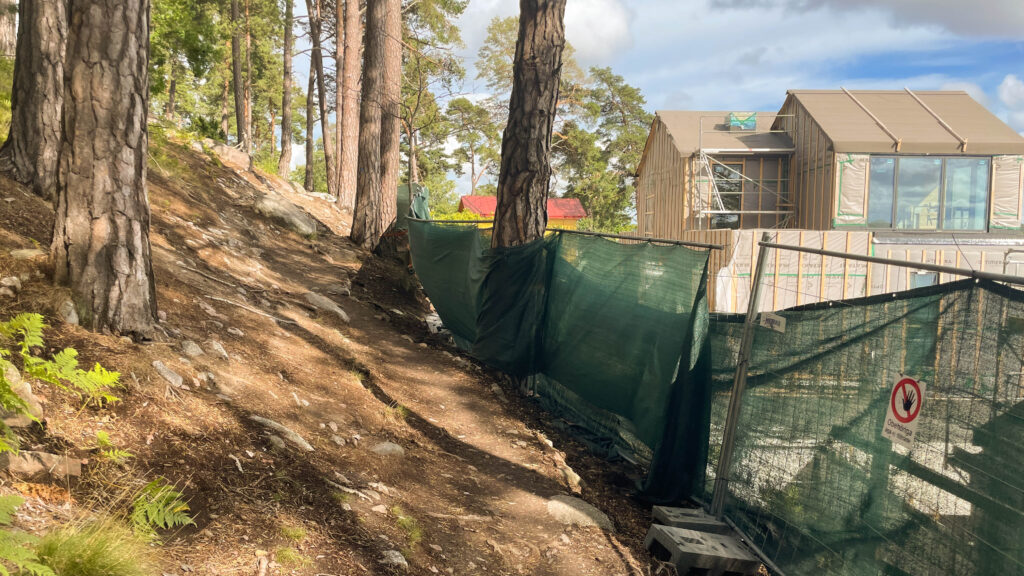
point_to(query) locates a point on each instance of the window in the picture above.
(729, 182)
(966, 198)
(917, 193)
(928, 193)
(881, 192)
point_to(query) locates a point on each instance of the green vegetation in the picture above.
(25, 332)
(6, 84)
(17, 551)
(291, 558)
(409, 525)
(104, 547)
(294, 533)
(109, 451)
(158, 506)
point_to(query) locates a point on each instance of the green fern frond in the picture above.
(16, 547)
(8, 506)
(159, 505)
(27, 329)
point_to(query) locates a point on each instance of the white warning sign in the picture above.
(773, 322)
(904, 411)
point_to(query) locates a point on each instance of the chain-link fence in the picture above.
(813, 482)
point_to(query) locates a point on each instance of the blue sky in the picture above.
(745, 54)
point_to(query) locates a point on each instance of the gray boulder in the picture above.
(289, 434)
(569, 510)
(29, 254)
(68, 313)
(287, 214)
(325, 304)
(23, 389)
(388, 449)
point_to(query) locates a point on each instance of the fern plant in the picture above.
(159, 506)
(17, 553)
(109, 451)
(62, 371)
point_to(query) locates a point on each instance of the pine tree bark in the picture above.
(8, 27)
(316, 31)
(525, 173)
(308, 182)
(31, 150)
(101, 230)
(377, 177)
(238, 86)
(285, 162)
(225, 109)
(349, 143)
(247, 93)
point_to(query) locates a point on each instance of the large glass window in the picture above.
(917, 192)
(966, 198)
(881, 192)
(928, 193)
(729, 182)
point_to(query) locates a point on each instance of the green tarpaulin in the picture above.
(614, 334)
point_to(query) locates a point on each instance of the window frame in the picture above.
(940, 225)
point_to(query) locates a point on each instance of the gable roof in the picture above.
(692, 130)
(852, 129)
(558, 208)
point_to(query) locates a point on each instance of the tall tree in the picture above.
(525, 175)
(308, 182)
(284, 164)
(101, 230)
(37, 96)
(349, 95)
(242, 128)
(379, 123)
(315, 12)
(8, 28)
(478, 139)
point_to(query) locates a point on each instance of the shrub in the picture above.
(103, 547)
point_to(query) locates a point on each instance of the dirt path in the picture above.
(471, 491)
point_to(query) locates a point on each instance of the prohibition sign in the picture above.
(910, 400)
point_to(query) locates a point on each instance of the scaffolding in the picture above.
(712, 203)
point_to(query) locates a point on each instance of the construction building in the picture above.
(921, 176)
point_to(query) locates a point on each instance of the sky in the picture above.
(745, 54)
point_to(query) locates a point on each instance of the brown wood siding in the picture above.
(661, 187)
(813, 190)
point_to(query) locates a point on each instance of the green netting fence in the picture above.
(612, 336)
(815, 485)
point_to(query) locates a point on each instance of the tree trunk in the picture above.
(309, 183)
(339, 59)
(225, 109)
(271, 128)
(101, 230)
(414, 163)
(316, 31)
(378, 122)
(472, 172)
(8, 27)
(37, 96)
(285, 163)
(349, 144)
(247, 93)
(172, 88)
(236, 74)
(525, 174)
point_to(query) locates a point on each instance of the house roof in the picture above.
(852, 129)
(558, 208)
(692, 130)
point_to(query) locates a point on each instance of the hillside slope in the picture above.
(414, 454)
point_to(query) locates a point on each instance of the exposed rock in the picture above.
(231, 156)
(394, 558)
(161, 316)
(12, 282)
(23, 389)
(216, 348)
(289, 434)
(191, 349)
(6, 292)
(168, 374)
(276, 441)
(380, 508)
(337, 440)
(340, 289)
(29, 254)
(388, 449)
(211, 310)
(28, 464)
(68, 312)
(325, 304)
(291, 216)
(236, 332)
(569, 510)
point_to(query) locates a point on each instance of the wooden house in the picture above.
(920, 176)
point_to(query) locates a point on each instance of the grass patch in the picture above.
(341, 497)
(103, 547)
(409, 525)
(293, 533)
(291, 557)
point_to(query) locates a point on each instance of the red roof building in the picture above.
(562, 212)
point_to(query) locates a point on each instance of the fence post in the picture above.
(739, 383)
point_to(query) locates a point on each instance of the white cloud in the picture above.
(598, 29)
(1011, 96)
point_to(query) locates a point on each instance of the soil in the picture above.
(468, 496)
